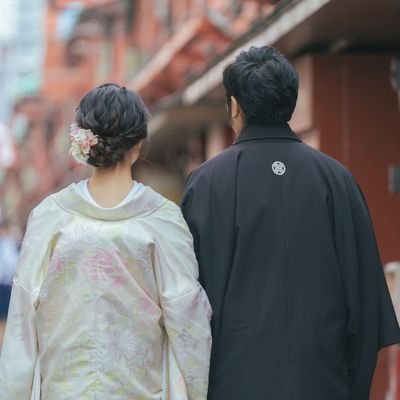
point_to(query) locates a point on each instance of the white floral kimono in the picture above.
(106, 305)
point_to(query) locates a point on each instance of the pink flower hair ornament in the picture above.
(81, 142)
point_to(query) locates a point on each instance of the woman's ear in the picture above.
(135, 152)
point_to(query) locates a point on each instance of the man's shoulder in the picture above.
(230, 155)
(221, 167)
(217, 163)
(336, 174)
(316, 157)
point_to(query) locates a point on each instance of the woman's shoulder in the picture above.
(167, 215)
(168, 210)
(49, 204)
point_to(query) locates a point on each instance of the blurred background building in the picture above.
(347, 53)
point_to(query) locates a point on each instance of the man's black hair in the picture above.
(264, 83)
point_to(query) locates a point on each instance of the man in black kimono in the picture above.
(287, 253)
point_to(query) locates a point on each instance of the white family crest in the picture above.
(278, 168)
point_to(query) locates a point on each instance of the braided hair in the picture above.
(118, 117)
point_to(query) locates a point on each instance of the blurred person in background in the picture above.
(8, 264)
(286, 252)
(106, 303)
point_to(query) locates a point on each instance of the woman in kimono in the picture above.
(106, 303)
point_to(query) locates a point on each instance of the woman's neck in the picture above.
(110, 186)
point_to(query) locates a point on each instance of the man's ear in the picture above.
(235, 107)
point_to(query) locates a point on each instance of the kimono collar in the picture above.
(277, 131)
(145, 202)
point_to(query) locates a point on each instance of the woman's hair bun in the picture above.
(118, 117)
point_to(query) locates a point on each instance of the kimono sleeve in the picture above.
(372, 321)
(186, 309)
(20, 350)
(214, 235)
